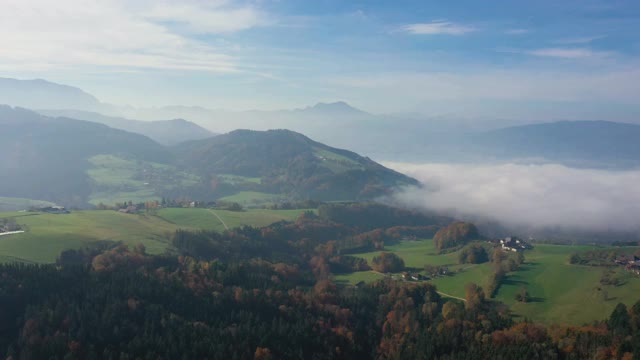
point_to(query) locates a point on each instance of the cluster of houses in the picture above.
(9, 226)
(131, 209)
(52, 209)
(408, 276)
(630, 262)
(511, 243)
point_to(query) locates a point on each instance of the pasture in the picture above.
(15, 204)
(561, 292)
(566, 293)
(49, 234)
(253, 198)
(206, 218)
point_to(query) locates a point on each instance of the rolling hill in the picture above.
(166, 132)
(47, 159)
(291, 163)
(601, 144)
(77, 163)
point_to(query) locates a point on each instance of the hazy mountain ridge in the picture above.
(409, 137)
(50, 158)
(166, 132)
(46, 158)
(289, 162)
(42, 94)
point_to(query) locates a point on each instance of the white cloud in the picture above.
(517, 31)
(209, 19)
(579, 40)
(532, 195)
(43, 34)
(568, 53)
(437, 27)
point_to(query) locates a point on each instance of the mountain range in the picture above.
(166, 132)
(77, 163)
(400, 138)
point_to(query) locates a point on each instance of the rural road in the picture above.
(11, 232)
(219, 218)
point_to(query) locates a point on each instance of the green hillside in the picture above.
(210, 219)
(561, 292)
(49, 234)
(287, 163)
(80, 163)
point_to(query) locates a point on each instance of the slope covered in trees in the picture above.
(66, 161)
(454, 235)
(289, 162)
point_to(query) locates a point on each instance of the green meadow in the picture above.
(561, 292)
(12, 204)
(566, 293)
(249, 198)
(197, 218)
(49, 234)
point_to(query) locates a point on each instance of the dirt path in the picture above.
(451, 296)
(219, 218)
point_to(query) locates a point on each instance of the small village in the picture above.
(9, 226)
(511, 243)
(631, 263)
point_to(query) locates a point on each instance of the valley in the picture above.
(560, 292)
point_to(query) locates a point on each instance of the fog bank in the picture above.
(528, 195)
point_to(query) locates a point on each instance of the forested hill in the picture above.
(45, 158)
(166, 132)
(77, 163)
(287, 161)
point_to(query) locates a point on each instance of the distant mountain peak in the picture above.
(338, 107)
(43, 94)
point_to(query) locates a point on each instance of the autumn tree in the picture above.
(454, 235)
(387, 262)
(474, 296)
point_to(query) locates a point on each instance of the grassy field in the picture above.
(561, 292)
(48, 234)
(417, 254)
(566, 293)
(205, 218)
(14, 204)
(249, 198)
(118, 180)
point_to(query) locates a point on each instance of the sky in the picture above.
(546, 59)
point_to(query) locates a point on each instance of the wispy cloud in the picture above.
(40, 34)
(209, 18)
(438, 27)
(568, 53)
(579, 40)
(517, 31)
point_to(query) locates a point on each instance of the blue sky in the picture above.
(530, 59)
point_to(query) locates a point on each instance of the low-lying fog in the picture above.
(528, 195)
